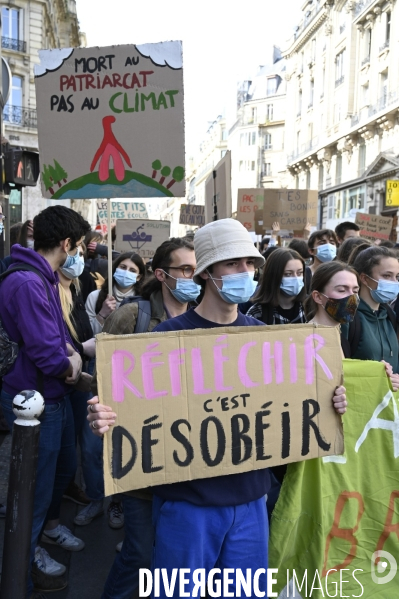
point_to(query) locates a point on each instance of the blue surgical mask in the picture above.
(386, 291)
(125, 278)
(291, 285)
(326, 252)
(186, 290)
(30, 243)
(237, 288)
(74, 271)
(71, 260)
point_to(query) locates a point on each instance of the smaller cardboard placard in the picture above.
(192, 215)
(292, 208)
(248, 202)
(141, 236)
(219, 186)
(119, 210)
(374, 226)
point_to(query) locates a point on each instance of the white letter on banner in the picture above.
(257, 591)
(183, 582)
(388, 425)
(145, 576)
(199, 580)
(216, 590)
(246, 584)
(169, 588)
(271, 581)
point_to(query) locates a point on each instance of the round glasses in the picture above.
(188, 271)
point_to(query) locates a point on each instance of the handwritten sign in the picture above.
(392, 193)
(292, 208)
(204, 403)
(119, 210)
(218, 190)
(248, 202)
(373, 226)
(191, 214)
(141, 236)
(111, 121)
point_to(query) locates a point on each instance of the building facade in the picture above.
(343, 105)
(27, 27)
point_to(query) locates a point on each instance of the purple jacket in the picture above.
(29, 317)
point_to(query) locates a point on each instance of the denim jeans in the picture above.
(53, 422)
(123, 578)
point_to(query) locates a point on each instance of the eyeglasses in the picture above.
(188, 271)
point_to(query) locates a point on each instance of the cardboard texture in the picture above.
(221, 187)
(292, 208)
(203, 403)
(111, 121)
(392, 193)
(141, 236)
(119, 210)
(248, 202)
(193, 215)
(373, 226)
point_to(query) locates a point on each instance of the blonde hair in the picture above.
(67, 307)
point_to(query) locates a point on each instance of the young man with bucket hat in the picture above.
(218, 522)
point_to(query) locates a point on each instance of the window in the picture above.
(268, 141)
(365, 95)
(367, 44)
(384, 89)
(267, 169)
(298, 139)
(310, 134)
(13, 108)
(323, 82)
(339, 68)
(313, 50)
(321, 176)
(387, 26)
(299, 111)
(11, 23)
(269, 112)
(252, 138)
(331, 207)
(338, 169)
(241, 166)
(308, 179)
(311, 93)
(223, 153)
(252, 165)
(271, 86)
(224, 134)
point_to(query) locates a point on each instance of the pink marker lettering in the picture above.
(242, 365)
(198, 372)
(218, 359)
(278, 363)
(119, 375)
(311, 355)
(293, 364)
(147, 366)
(174, 370)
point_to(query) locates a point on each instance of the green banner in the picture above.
(335, 513)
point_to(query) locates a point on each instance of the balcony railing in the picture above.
(303, 149)
(18, 115)
(384, 45)
(339, 81)
(11, 44)
(365, 60)
(309, 16)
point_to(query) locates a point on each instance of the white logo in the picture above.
(385, 559)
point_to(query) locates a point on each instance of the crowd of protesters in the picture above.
(55, 299)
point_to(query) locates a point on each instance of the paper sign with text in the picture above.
(193, 215)
(141, 236)
(248, 202)
(292, 208)
(373, 226)
(219, 186)
(203, 403)
(111, 121)
(119, 210)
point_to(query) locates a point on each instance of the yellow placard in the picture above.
(392, 193)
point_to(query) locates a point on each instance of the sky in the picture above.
(224, 42)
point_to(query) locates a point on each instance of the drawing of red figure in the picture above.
(108, 149)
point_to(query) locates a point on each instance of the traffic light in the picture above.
(21, 166)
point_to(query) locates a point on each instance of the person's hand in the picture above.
(89, 348)
(395, 381)
(339, 400)
(76, 362)
(306, 231)
(275, 228)
(92, 247)
(109, 306)
(388, 368)
(83, 383)
(70, 350)
(100, 417)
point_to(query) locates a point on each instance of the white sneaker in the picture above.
(46, 564)
(63, 537)
(91, 511)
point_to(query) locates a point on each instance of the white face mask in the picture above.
(74, 270)
(30, 243)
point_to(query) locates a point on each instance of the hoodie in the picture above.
(378, 340)
(36, 323)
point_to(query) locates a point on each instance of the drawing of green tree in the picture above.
(54, 175)
(156, 165)
(47, 179)
(61, 173)
(165, 172)
(178, 175)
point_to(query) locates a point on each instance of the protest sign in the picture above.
(392, 193)
(141, 236)
(203, 403)
(119, 210)
(248, 202)
(335, 513)
(258, 218)
(373, 226)
(219, 184)
(111, 121)
(193, 215)
(292, 208)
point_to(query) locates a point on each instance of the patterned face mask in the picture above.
(342, 310)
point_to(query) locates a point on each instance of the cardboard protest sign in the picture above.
(219, 186)
(111, 121)
(292, 208)
(258, 219)
(373, 226)
(392, 193)
(248, 202)
(334, 515)
(191, 214)
(120, 210)
(141, 236)
(203, 403)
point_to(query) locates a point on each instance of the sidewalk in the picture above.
(87, 569)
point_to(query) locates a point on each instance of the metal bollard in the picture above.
(27, 406)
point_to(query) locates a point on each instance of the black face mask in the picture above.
(342, 310)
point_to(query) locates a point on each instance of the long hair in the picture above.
(269, 290)
(137, 260)
(67, 306)
(321, 279)
(370, 257)
(346, 248)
